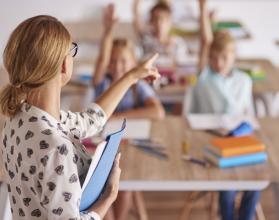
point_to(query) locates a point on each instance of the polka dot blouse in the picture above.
(45, 162)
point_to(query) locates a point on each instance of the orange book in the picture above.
(235, 146)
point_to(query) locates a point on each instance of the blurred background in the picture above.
(257, 41)
(260, 17)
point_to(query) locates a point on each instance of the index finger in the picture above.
(151, 60)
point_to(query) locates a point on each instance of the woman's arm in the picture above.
(152, 109)
(137, 19)
(110, 99)
(109, 21)
(206, 35)
(92, 120)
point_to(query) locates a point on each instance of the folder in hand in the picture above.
(100, 168)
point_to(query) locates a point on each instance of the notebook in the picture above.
(235, 146)
(242, 160)
(214, 122)
(100, 168)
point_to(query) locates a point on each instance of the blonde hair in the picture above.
(33, 55)
(123, 43)
(162, 5)
(221, 40)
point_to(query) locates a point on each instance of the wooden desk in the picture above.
(143, 172)
(171, 94)
(271, 82)
(270, 135)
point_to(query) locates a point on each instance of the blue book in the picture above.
(100, 168)
(242, 160)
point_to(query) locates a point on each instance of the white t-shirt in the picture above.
(176, 51)
(45, 162)
(217, 94)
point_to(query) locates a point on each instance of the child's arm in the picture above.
(109, 21)
(110, 98)
(152, 109)
(136, 19)
(206, 35)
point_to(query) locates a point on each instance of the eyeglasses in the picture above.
(74, 50)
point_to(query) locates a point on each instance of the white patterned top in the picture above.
(45, 162)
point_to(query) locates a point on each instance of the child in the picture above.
(115, 58)
(222, 89)
(156, 36)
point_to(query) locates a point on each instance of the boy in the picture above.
(222, 89)
(156, 37)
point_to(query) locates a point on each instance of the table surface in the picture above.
(142, 171)
(271, 82)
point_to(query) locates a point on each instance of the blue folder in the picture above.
(99, 177)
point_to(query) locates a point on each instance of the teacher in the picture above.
(44, 159)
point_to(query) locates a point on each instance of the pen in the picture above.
(195, 160)
(152, 151)
(146, 143)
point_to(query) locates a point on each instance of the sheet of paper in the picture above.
(135, 128)
(95, 160)
(230, 122)
(214, 122)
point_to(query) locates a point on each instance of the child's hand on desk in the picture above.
(145, 70)
(109, 17)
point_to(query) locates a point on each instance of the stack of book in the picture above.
(235, 151)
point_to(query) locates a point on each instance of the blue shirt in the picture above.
(134, 98)
(218, 94)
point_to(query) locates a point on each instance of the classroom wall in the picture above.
(260, 16)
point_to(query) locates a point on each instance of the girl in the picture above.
(116, 58)
(42, 152)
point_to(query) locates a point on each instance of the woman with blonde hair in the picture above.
(42, 153)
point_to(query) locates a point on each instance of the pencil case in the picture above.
(243, 129)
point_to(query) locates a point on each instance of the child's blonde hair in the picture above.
(33, 55)
(160, 6)
(221, 40)
(123, 43)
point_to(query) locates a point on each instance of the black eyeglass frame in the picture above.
(75, 49)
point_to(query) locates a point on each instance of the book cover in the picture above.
(234, 146)
(247, 159)
(99, 169)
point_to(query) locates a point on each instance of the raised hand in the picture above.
(145, 70)
(109, 17)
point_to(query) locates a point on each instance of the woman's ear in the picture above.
(64, 66)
